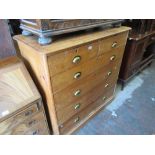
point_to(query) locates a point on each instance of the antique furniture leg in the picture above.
(26, 33)
(122, 85)
(44, 40)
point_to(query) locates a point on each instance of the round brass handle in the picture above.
(114, 45)
(106, 85)
(28, 112)
(112, 58)
(153, 38)
(77, 106)
(77, 75)
(77, 93)
(61, 126)
(109, 73)
(35, 132)
(76, 59)
(32, 122)
(104, 98)
(77, 119)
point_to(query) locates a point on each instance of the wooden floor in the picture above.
(131, 113)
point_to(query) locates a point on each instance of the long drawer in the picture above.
(27, 124)
(78, 119)
(71, 58)
(65, 79)
(18, 118)
(67, 112)
(76, 90)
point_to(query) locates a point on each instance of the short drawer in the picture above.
(111, 43)
(18, 118)
(71, 58)
(26, 125)
(73, 75)
(76, 90)
(68, 110)
(87, 113)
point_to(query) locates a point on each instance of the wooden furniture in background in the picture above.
(76, 74)
(138, 53)
(6, 44)
(14, 25)
(21, 107)
(46, 28)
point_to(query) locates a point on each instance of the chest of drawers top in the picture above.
(69, 42)
(17, 89)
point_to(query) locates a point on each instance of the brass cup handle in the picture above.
(114, 45)
(104, 98)
(77, 119)
(113, 57)
(35, 132)
(28, 112)
(76, 59)
(77, 93)
(61, 126)
(77, 75)
(153, 38)
(77, 106)
(106, 85)
(32, 122)
(109, 73)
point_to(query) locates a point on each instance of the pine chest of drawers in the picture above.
(21, 108)
(76, 74)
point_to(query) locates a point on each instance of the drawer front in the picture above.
(65, 114)
(66, 110)
(27, 124)
(151, 39)
(39, 129)
(75, 91)
(78, 118)
(64, 60)
(73, 75)
(111, 43)
(15, 120)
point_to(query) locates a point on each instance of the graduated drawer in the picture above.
(39, 129)
(67, 111)
(111, 43)
(86, 113)
(27, 124)
(71, 58)
(76, 90)
(63, 80)
(18, 118)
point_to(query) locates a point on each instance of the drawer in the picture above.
(27, 124)
(78, 119)
(39, 129)
(73, 75)
(151, 39)
(76, 90)
(111, 43)
(68, 110)
(18, 118)
(71, 58)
